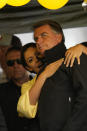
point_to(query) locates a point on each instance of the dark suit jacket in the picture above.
(9, 95)
(63, 99)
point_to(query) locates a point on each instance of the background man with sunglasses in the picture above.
(10, 92)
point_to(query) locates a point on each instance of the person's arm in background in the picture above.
(28, 102)
(75, 52)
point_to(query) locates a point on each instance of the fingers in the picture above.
(69, 59)
(72, 61)
(66, 57)
(78, 59)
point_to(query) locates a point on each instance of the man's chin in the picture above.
(18, 75)
(41, 51)
(16, 78)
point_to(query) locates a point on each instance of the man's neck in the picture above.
(55, 53)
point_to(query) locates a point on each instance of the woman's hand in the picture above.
(74, 52)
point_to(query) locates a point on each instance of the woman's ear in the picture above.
(28, 68)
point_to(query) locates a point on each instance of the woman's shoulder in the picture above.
(27, 85)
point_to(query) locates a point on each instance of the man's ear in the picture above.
(59, 37)
(28, 68)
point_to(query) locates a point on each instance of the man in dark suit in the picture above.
(63, 98)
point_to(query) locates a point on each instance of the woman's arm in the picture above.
(28, 101)
(34, 92)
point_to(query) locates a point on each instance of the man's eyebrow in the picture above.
(44, 33)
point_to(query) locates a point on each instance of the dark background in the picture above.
(20, 19)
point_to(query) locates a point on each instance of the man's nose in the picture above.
(16, 64)
(39, 40)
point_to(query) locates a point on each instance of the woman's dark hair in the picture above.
(24, 48)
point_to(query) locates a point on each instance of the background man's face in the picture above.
(45, 38)
(16, 71)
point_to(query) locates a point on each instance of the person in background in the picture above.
(11, 91)
(3, 66)
(63, 99)
(15, 41)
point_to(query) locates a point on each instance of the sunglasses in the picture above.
(12, 62)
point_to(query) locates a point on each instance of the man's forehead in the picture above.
(43, 28)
